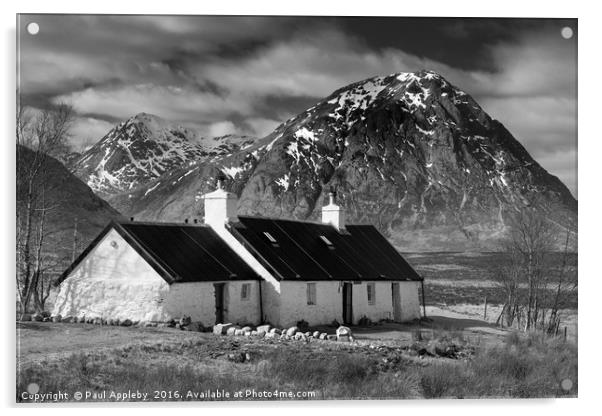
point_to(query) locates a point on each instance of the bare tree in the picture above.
(530, 249)
(39, 136)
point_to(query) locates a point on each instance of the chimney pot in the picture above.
(332, 213)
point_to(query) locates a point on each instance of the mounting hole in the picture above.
(566, 384)
(566, 32)
(33, 388)
(33, 28)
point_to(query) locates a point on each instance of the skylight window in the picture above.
(270, 237)
(327, 242)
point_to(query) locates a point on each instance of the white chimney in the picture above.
(220, 206)
(332, 213)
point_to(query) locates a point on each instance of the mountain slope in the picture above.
(143, 148)
(74, 207)
(134, 152)
(408, 152)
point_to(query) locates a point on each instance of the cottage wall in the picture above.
(294, 308)
(410, 300)
(113, 281)
(197, 300)
(329, 302)
(382, 307)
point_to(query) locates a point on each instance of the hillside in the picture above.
(73, 206)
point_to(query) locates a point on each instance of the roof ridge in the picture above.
(167, 224)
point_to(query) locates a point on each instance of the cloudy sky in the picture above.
(245, 75)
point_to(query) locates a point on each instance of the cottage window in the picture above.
(245, 291)
(371, 289)
(311, 293)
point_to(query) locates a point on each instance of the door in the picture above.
(219, 302)
(347, 303)
(396, 302)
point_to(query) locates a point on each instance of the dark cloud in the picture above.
(247, 74)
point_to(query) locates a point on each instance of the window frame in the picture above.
(245, 292)
(311, 294)
(371, 293)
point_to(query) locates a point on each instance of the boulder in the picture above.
(37, 317)
(323, 335)
(231, 330)
(344, 334)
(292, 331)
(300, 336)
(185, 320)
(316, 334)
(331, 337)
(269, 335)
(275, 331)
(25, 317)
(247, 329)
(126, 322)
(220, 329)
(264, 328)
(307, 334)
(239, 332)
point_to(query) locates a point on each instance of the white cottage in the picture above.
(240, 269)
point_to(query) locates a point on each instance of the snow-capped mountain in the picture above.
(144, 148)
(134, 152)
(408, 152)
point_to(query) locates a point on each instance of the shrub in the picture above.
(442, 380)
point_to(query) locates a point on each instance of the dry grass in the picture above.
(531, 366)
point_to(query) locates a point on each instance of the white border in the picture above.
(589, 178)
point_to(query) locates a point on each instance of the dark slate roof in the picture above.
(300, 252)
(178, 252)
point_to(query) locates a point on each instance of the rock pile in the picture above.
(293, 333)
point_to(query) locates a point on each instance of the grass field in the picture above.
(463, 278)
(168, 364)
